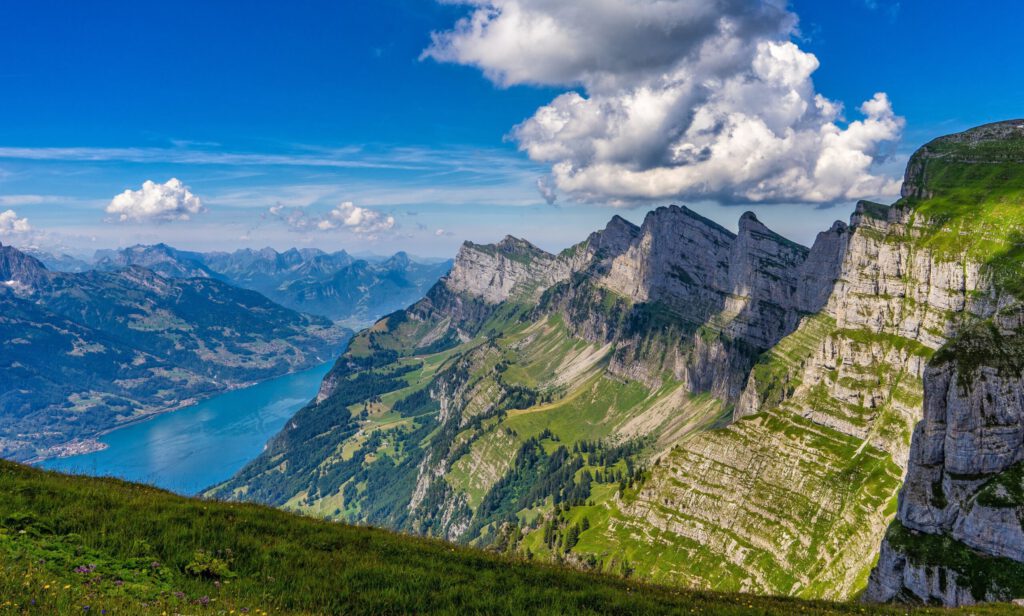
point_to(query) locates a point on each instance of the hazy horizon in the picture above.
(401, 125)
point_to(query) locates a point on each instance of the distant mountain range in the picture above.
(335, 285)
(85, 352)
(59, 262)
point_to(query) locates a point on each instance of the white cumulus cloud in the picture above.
(167, 202)
(10, 223)
(684, 98)
(356, 219)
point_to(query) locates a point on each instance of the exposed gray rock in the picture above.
(819, 272)
(494, 273)
(895, 578)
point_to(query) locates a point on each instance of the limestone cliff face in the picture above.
(685, 296)
(749, 283)
(495, 273)
(825, 418)
(964, 485)
(958, 535)
(893, 303)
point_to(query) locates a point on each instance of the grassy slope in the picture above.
(632, 529)
(970, 209)
(576, 400)
(133, 546)
(973, 190)
(724, 509)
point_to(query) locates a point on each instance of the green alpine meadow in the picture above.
(73, 545)
(663, 418)
(676, 403)
(514, 307)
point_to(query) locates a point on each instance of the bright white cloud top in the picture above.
(356, 219)
(682, 99)
(168, 202)
(10, 223)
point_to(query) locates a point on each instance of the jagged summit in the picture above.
(495, 272)
(619, 221)
(669, 212)
(19, 269)
(750, 225)
(509, 245)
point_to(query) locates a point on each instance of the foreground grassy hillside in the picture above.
(83, 545)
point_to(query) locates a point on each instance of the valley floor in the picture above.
(102, 546)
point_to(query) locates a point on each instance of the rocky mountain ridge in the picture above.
(958, 535)
(673, 400)
(692, 326)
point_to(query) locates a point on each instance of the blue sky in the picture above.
(302, 107)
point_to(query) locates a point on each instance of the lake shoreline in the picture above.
(92, 444)
(195, 445)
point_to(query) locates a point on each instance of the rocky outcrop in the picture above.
(823, 266)
(965, 483)
(825, 420)
(495, 273)
(19, 271)
(745, 404)
(958, 536)
(683, 295)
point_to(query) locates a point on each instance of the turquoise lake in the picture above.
(191, 449)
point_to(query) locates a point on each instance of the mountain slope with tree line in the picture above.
(73, 545)
(727, 411)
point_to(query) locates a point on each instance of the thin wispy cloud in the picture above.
(464, 160)
(184, 156)
(17, 200)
